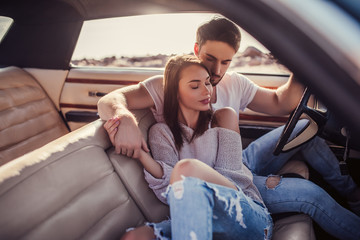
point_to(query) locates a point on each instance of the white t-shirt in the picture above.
(234, 90)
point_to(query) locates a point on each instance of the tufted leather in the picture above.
(29, 119)
(67, 189)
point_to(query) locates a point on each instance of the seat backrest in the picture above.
(29, 119)
(76, 187)
(131, 173)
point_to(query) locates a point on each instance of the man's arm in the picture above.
(120, 101)
(280, 101)
(114, 108)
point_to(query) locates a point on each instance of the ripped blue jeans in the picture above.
(201, 210)
(259, 158)
(299, 195)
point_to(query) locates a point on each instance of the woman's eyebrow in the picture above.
(194, 80)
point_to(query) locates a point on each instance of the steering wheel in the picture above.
(317, 120)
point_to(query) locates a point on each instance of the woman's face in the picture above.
(194, 89)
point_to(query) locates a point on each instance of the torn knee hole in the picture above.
(272, 181)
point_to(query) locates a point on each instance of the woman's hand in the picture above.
(126, 137)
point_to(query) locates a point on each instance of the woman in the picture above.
(213, 196)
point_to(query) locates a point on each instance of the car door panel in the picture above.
(83, 88)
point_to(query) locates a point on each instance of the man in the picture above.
(217, 42)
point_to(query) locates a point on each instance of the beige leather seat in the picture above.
(29, 119)
(76, 187)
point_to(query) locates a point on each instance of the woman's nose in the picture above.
(206, 89)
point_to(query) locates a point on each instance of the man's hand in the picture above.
(121, 124)
(125, 135)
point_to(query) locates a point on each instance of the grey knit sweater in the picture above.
(219, 148)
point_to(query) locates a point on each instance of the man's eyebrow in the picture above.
(211, 56)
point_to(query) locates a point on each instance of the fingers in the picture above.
(130, 153)
(108, 123)
(117, 149)
(111, 124)
(112, 135)
(123, 151)
(144, 145)
(125, 137)
(127, 152)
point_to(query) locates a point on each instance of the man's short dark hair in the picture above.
(219, 29)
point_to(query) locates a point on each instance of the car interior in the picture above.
(60, 177)
(80, 171)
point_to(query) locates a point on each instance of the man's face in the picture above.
(216, 56)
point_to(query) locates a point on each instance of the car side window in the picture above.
(149, 41)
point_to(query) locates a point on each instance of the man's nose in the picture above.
(216, 69)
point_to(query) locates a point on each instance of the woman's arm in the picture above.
(150, 165)
(164, 152)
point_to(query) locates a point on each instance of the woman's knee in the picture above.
(185, 167)
(226, 118)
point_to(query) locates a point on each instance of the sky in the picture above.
(144, 35)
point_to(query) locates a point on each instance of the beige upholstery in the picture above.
(71, 192)
(132, 175)
(295, 166)
(29, 119)
(76, 187)
(296, 227)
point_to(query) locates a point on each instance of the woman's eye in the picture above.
(194, 86)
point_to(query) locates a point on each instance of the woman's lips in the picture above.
(205, 101)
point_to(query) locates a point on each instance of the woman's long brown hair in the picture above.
(172, 75)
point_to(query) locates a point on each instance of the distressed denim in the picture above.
(259, 158)
(202, 210)
(299, 195)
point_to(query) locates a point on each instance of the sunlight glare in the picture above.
(143, 35)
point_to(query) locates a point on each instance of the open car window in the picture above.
(149, 40)
(5, 24)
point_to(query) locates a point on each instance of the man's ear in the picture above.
(196, 49)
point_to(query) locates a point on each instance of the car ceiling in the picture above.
(45, 32)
